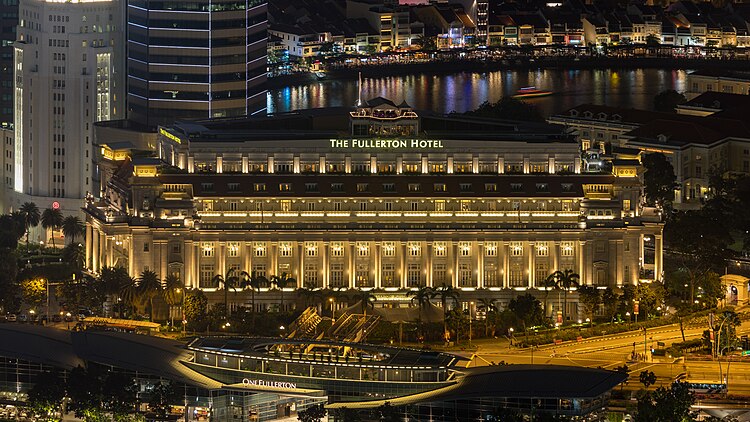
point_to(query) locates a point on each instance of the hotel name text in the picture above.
(263, 383)
(386, 144)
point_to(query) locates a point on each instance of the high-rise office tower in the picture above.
(66, 78)
(196, 59)
(8, 22)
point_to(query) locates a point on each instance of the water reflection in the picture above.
(465, 91)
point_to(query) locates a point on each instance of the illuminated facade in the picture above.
(66, 78)
(486, 212)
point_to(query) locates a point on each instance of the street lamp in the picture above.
(333, 316)
(510, 337)
(281, 329)
(67, 319)
(627, 314)
(471, 316)
(588, 320)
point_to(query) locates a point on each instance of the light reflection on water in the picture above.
(465, 91)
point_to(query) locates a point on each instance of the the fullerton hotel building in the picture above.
(376, 197)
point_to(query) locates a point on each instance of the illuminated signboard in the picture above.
(163, 132)
(386, 144)
(262, 383)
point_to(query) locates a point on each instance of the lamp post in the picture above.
(67, 319)
(333, 316)
(588, 321)
(471, 316)
(627, 314)
(510, 337)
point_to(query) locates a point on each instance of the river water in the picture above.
(465, 91)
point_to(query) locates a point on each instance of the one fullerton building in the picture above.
(377, 197)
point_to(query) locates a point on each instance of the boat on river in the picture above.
(531, 92)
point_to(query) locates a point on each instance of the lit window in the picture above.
(311, 249)
(208, 249)
(490, 249)
(566, 248)
(516, 249)
(389, 249)
(440, 249)
(260, 249)
(285, 249)
(233, 249)
(542, 249)
(415, 249)
(363, 249)
(464, 248)
(337, 249)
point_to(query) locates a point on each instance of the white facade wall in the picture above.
(68, 75)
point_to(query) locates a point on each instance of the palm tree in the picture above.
(72, 227)
(310, 296)
(489, 306)
(52, 219)
(422, 297)
(446, 292)
(230, 281)
(281, 282)
(149, 286)
(254, 282)
(74, 255)
(367, 298)
(551, 282)
(130, 293)
(567, 280)
(31, 217)
(113, 280)
(173, 292)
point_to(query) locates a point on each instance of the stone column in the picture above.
(378, 265)
(110, 258)
(188, 265)
(163, 258)
(219, 164)
(222, 249)
(402, 253)
(532, 264)
(245, 164)
(273, 253)
(352, 264)
(326, 270)
(506, 263)
(658, 256)
(480, 265)
(429, 280)
(579, 245)
(300, 270)
(96, 253)
(270, 164)
(89, 241)
(555, 255)
(454, 257)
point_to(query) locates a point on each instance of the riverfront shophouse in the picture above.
(378, 197)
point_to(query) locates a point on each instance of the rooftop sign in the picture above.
(386, 144)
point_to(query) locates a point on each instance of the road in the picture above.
(615, 350)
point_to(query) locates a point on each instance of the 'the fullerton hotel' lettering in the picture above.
(386, 143)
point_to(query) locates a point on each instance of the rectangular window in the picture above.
(388, 275)
(490, 187)
(145, 247)
(362, 187)
(206, 275)
(440, 249)
(208, 249)
(363, 249)
(439, 187)
(285, 187)
(465, 187)
(415, 249)
(439, 205)
(465, 278)
(516, 249)
(566, 249)
(337, 187)
(311, 274)
(415, 187)
(439, 274)
(388, 205)
(389, 187)
(259, 249)
(259, 187)
(465, 205)
(311, 187)
(337, 275)
(259, 269)
(337, 249)
(542, 249)
(362, 276)
(464, 248)
(541, 272)
(414, 274)
(233, 249)
(285, 249)
(311, 249)
(389, 249)
(626, 204)
(490, 249)
(286, 206)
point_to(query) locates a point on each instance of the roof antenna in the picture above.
(360, 103)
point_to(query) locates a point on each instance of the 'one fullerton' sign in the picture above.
(386, 143)
(262, 383)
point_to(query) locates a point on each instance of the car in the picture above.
(12, 318)
(56, 318)
(22, 318)
(68, 317)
